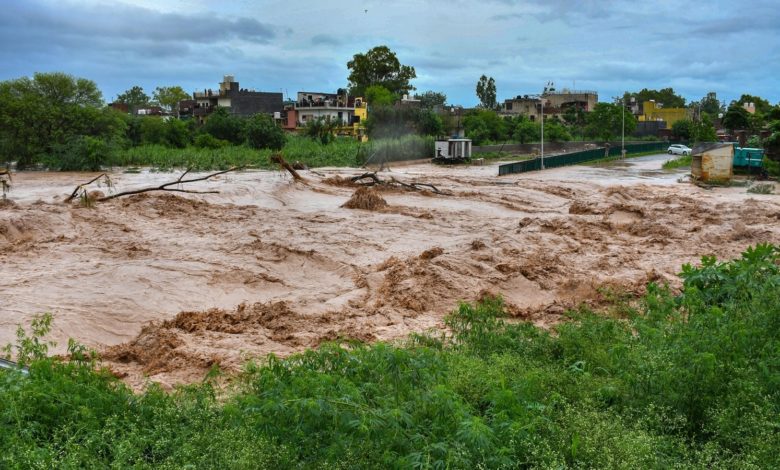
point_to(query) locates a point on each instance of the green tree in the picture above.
(377, 95)
(526, 131)
(762, 106)
(484, 126)
(710, 104)
(773, 114)
(486, 92)
(263, 133)
(430, 99)
(44, 113)
(169, 97)
(667, 96)
(135, 98)
(555, 131)
(379, 66)
(224, 126)
(429, 123)
(683, 129)
(736, 118)
(153, 131)
(606, 121)
(703, 130)
(177, 133)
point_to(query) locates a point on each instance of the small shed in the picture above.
(453, 149)
(713, 162)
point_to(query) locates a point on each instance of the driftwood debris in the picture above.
(371, 179)
(82, 191)
(5, 181)
(279, 159)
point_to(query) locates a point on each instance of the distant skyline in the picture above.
(610, 46)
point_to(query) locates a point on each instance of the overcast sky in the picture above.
(730, 47)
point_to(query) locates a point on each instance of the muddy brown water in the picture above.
(167, 285)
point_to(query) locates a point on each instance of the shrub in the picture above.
(263, 133)
(81, 153)
(208, 141)
(224, 126)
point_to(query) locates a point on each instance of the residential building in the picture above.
(337, 106)
(239, 101)
(556, 103)
(652, 111)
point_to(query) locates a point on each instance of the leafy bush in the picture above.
(321, 129)
(673, 381)
(80, 153)
(208, 141)
(224, 126)
(263, 133)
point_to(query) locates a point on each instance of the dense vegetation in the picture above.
(670, 381)
(605, 122)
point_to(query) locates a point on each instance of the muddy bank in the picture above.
(168, 286)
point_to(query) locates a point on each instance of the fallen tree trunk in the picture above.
(278, 159)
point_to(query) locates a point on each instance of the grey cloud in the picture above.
(325, 40)
(108, 21)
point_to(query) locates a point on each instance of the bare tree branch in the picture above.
(164, 187)
(371, 179)
(83, 186)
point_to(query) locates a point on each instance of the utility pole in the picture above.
(623, 133)
(542, 100)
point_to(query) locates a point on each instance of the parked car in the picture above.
(679, 149)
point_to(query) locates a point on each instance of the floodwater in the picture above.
(166, 285)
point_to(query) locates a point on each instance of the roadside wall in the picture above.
(549, 147)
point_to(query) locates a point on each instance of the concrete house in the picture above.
(333, 106)
(238, 101)
(556, 103)
(713, 162)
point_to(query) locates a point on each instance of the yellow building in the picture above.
(359, 122)
(652, 112)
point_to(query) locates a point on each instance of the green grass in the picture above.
(664, 381)
(342, 152)
(680, 162)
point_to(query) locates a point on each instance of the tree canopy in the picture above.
(51, 114)
(379, 66)
(710, 104)
(377, 95)
(762, 106)
(486, 92)
(169, 97)
(736, 118)
(667, 96)
(606, 121)
(430, 99)
(134, 98)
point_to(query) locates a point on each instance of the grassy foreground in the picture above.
(687, 381)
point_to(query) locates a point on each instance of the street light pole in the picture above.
(542, 99)
(623, 133)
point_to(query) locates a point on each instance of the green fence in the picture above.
(579, 157)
